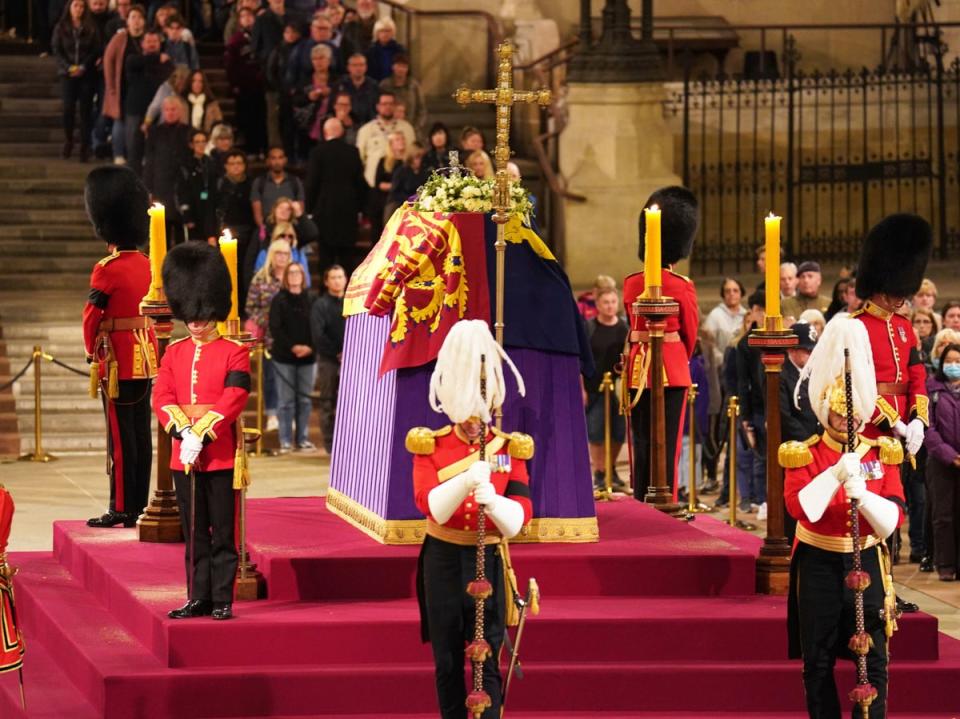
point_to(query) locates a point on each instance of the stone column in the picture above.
(615, 150)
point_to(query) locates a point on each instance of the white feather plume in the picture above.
(455, 382)
(826, 363)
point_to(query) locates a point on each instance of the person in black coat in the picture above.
(143, 74)
(235, 213)
(751, 388)
(336, 192)
(167, 151)
(196, 191)
(77, 46)
(408, 178)
(327, 326)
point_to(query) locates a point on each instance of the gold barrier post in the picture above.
(259, 353)
(733, 412)
(37, 455)
(606, 495)
(693, 503)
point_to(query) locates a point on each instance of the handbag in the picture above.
(304, 115)
(255, 330)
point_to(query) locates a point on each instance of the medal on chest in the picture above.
(902, 333)
(501, 463)
(872, 469)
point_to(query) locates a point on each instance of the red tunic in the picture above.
(204, 386)
(117, 286)
(897, 362)
(834, 522)
(681, 331)
(452, 455)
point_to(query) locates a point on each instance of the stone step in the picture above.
(66, 350)
(59, 307)
(78, 422)
(66, 200)
(55, 404)
(51, 386)
(43, 185)
(11, 88)
(29, 216)
(23, 166)
(44, 264)
(78, 281)
(33, 134)
(30, 149)
(66, 443)
(25, 105)
(37, 333)
(72, 234)
(49, 119)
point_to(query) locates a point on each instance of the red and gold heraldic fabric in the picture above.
(896, 362)
(680, 334)
(12, 647)
(118, 283)
(435, 275)
(454, 454)
(883, 478)
(204, 386)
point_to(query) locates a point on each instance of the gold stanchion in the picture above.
(733, 412)
(37, 455)
(259, 354)
(693, 504)
(606, 495)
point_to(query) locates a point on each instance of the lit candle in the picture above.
(158, 247)
(772, 279)
(228, 248)
(652, 272)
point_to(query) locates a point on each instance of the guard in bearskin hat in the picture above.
(823, 474)
(202, 388)
(680, 220)
(450, 481)
(120, 344)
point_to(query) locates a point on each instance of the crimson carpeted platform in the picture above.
(658, 619)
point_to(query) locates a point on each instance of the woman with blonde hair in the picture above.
(388, 165)
(284, 231)
(479, 163)
(174, 86)
(266, 283)
(220, 143)
(383, 49)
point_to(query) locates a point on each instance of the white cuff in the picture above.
(444, 499)
(815, 497)
(881, 513)
(507, 514)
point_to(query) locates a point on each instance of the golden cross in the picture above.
(504, 97)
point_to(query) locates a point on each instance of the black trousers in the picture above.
(215, 555)
(945, 514)
(129, 445)
(252, 118)
(449, 614)
(827, 621)
(77, 92)
(673, 401)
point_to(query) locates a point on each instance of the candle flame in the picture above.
(226, 235)
(772, 216)
(157, 206)
(653, 208)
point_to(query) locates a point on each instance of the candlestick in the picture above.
(228, 248)
(652, 272)
(158, 248)
(772, 247)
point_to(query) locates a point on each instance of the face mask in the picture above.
(952, 371)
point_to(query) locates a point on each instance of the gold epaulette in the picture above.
(520, 445)
(891, 451)
(794, 454)
(423, 440)
(179, 339)
(108, 258)
(682, 277)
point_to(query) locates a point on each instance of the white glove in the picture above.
(485, 493)
(506, 514)
(444, 499)
(855, 486)
(881, 513)
(847, 466)
(900, 429)
(478, 473)
(815, 497)
(914, 436)
(190, 447)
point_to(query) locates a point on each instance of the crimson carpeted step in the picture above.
(308, 553)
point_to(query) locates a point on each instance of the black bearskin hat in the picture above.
(197, 282)
(894, 257)
(117, 203)
(679, 221)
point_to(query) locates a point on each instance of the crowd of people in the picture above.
(323, 101)
(724, 366)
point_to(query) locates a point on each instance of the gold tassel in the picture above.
(510, 583)
(113, 385)
(94, 379)
(241, 473)
(534, 591)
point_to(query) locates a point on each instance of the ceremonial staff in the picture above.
(857, 580)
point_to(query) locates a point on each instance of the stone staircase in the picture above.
(47, 250)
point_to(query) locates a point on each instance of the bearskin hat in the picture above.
(117, 203)
(197, 282)
(894, 257)
(680, 219)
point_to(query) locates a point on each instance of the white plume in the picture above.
(455, 382)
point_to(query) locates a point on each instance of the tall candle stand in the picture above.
(773, 563)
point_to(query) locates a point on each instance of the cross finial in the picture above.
(454, 160)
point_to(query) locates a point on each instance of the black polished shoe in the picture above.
(193, 608)
(222, 610)
(130, 519)
(915, 558)
(109, 519)
(906, 607)
(926, 563)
